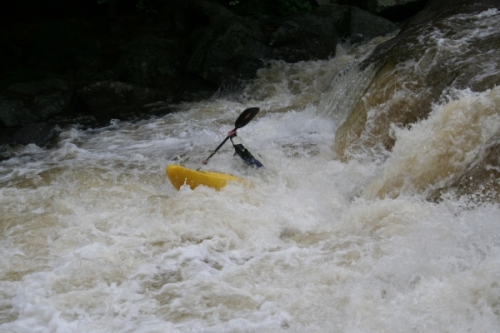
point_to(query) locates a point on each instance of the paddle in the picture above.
(242, 120)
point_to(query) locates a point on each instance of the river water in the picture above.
(95, 239)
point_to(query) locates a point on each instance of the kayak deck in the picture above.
(179, 175)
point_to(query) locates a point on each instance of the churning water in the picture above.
(95, 239)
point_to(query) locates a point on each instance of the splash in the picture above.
(432, 153)
(417, 69)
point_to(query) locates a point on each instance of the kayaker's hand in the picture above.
(231, 133)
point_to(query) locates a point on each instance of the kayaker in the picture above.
(244, 153)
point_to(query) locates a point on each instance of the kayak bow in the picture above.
(179, 175)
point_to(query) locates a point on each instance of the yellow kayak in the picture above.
(180, 175)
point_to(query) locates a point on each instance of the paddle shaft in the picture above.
(216, 149)
(242, 120)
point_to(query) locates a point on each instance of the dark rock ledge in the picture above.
(79, 59)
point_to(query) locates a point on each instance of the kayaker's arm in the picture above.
(242, 152)
(243, 119)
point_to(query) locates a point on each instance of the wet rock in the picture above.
(427, 64)
(397, 10)
(187, 50)
(230, 49)
(150, 61)
(339, 15)
(38, 134)
(305, 37)
(232, 56)
(193, 88)
(109, 99)
(366, 26)
(322, 2)
(481, 178)
(29, 102)
(65, 45)
(437, 8)
(439, 69)
(14, 112)
(353, 22)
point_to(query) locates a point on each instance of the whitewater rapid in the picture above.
(95, 239)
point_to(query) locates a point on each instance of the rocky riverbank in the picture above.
(107, 61)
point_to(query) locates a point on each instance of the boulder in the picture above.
(368, 5)
(38, 134)
(437, 8)
(65, 45)
(396, 10)
(29, 102)
(366, 26)
(14, 113)
(353, 22)
(339, 15)
(230, 49)
(150, 61)
(109, 99)
(183, 52)
(229, 57)
(305, 37)
(439, 53)
(482, 177)
(437, 72)
(193, 88)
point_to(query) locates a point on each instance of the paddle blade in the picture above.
(242, 120)
(245, 117)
